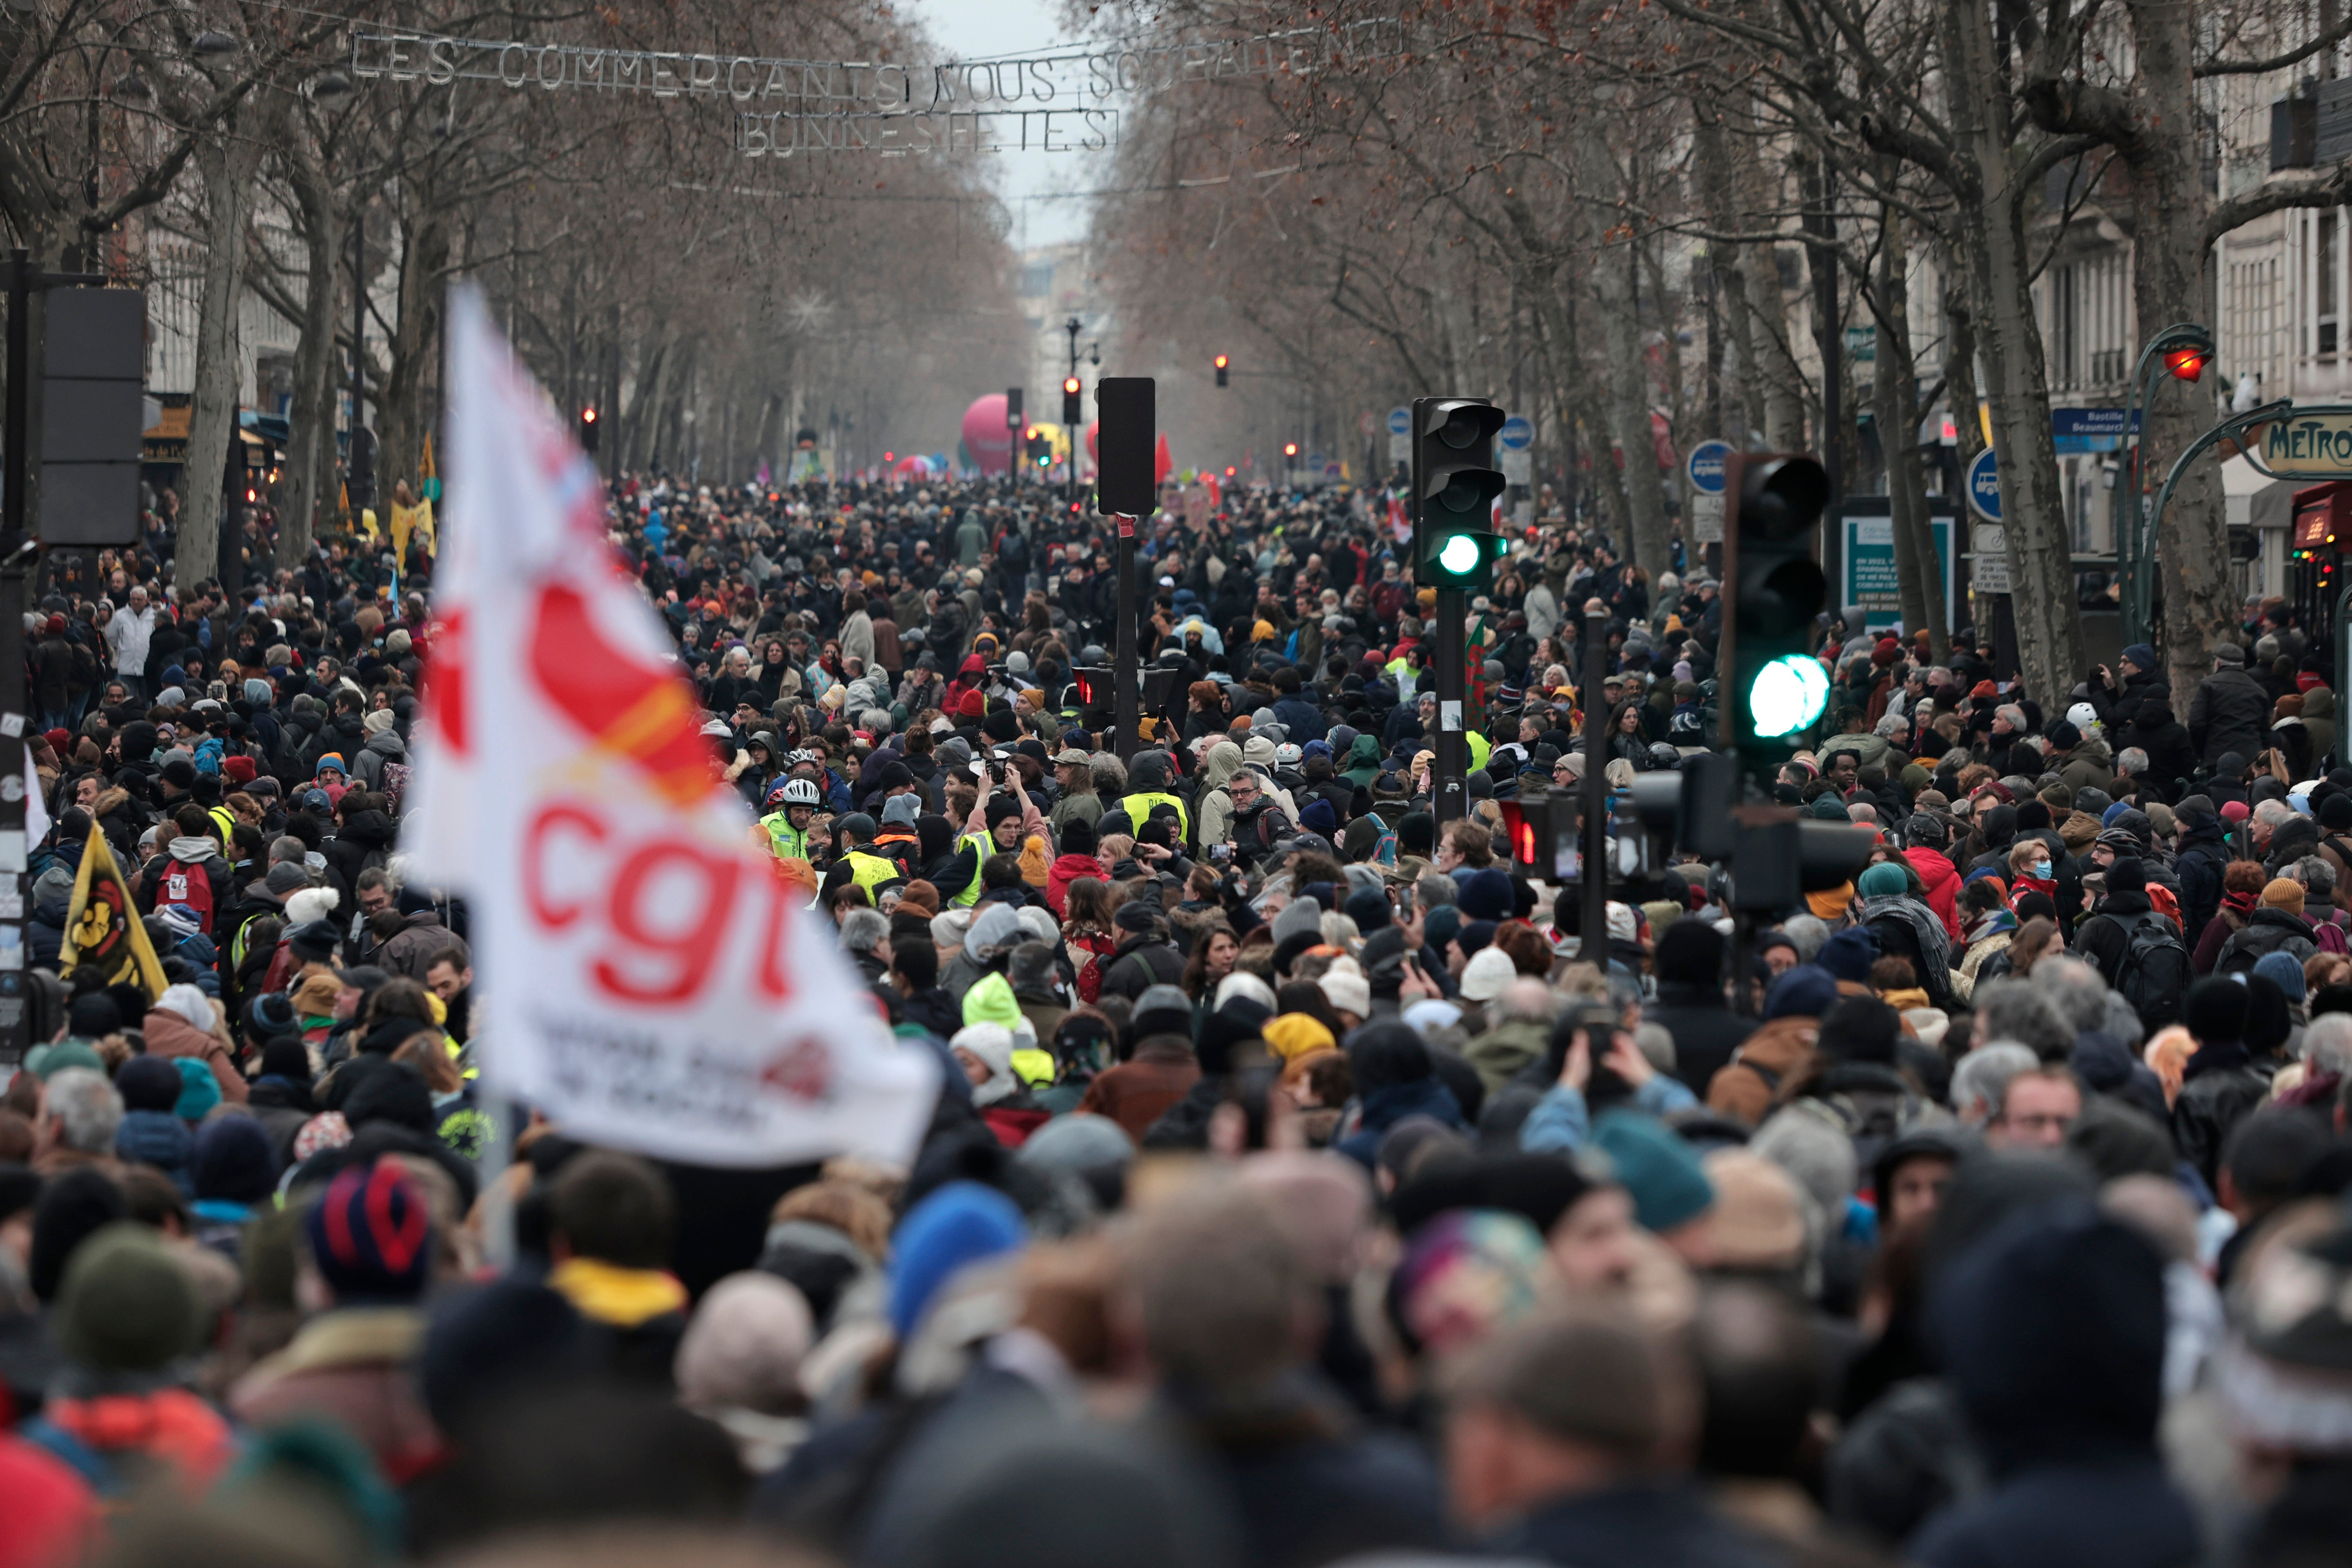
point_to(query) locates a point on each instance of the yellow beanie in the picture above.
(1293, 1035)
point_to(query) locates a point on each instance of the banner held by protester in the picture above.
(650, 982)
(102, 926)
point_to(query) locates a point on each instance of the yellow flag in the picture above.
(102, 925)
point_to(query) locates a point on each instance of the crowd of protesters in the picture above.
(1304, 1185)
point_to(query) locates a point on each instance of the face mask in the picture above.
(2041, 869)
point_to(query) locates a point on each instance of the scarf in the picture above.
(611, 1294)
(2029, 884)
(2241, 904)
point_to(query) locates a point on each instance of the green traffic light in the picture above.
(1459, 556)
(1788, 695)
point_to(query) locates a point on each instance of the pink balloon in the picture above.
(1092, 431)
(985, 435)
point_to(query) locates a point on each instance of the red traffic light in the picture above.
(1221, 361)
(1070, 386)
(588, 416)
(2188, 362)
(1229, 471)
(1290, 448)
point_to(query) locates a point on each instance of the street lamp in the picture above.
(2185, 349)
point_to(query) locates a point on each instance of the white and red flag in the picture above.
(646, 979)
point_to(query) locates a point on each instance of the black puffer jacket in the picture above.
(363, 834)
(2221, 1086)
(2266, 930)
(2231, 712)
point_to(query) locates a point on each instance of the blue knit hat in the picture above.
(2142, 654)
(370, 1234)
(1804, 991)
(2282, 971)
(199, 1090)
(961, 1224)
(1658, 1171)
(1849, 954)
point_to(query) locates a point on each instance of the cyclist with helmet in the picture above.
(792, 806)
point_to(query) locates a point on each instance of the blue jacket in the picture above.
(1562, 1121)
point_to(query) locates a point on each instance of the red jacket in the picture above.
(1943, 885)
(1065, 870)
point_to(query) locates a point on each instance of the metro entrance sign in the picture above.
(2304, 444)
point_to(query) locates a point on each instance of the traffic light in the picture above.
(588, 429)
(1092, 683)
(1290, 451)
(1039, 446)
(359, 476)
(1775, 688)
(1073, 412)
(1221, 364)
(2187, 361)
(1455, 483)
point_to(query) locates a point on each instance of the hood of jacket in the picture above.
(193, 849)
(169, 1034)
(387, 743)
(1223, 760)
(154, 1138)
(369, 830)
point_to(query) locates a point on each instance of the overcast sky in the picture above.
(977, 29)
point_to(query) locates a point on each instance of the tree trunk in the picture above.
(1738, 422)
(1991, 222)
(2171, 208)
(1627, 379)
(416, 332)
(309, 483)
(230, 165)
(1898, 437)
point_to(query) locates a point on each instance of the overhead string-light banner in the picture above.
(1054, 102)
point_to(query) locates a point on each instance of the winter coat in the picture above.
(1637, 1524)
(2230, 712)
(1750, 1085)
(2221, 1086)
(411, 949)
(1140, 1090)
(1707, 1032)
(355, 1367)
(1065, 870)
(363, 834)
(367, 768)
(1504, 1049)
(2319, 723)
(2199, 866)
(1384, 1108)
(1140, 964)
(1942, 884)
(2266, 930)
(169, 1034)
(1905, 928)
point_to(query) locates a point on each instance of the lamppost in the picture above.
(2185, 349)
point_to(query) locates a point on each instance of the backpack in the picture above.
(2153, 975)
(190, 886)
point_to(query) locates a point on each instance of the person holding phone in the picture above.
(1562, 1121)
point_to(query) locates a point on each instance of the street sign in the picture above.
(1517, 435)
(2089, 429)
(1704, 466)
(2309, 444)
(1983, 486)
(1989, 569)
(1707, 518)
(1400, 435)
(1866, 565)
(1862, 345)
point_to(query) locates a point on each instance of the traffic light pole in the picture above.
(1122, 665)
(1449, 796)
(1593, 932)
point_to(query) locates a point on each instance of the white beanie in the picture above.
(992, 1045)
(1489, 970)
(1345, 987)
(186, 1002)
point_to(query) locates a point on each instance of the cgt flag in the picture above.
(648, 981)
(102, 925)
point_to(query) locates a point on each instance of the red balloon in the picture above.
(985, 435)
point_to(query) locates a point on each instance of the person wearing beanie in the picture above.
(739, 1365)
(2052, 1334)
(953, 1227)
(152, 1132)
(2274, 925)
(1076, 862)
(235, 1168)
(2221, 1084)
(126, 1312)
(983, 1048)
(1160, 1069)
(184, 1022)
(1691, 964)
(1780, 1050)
(368, 1247)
